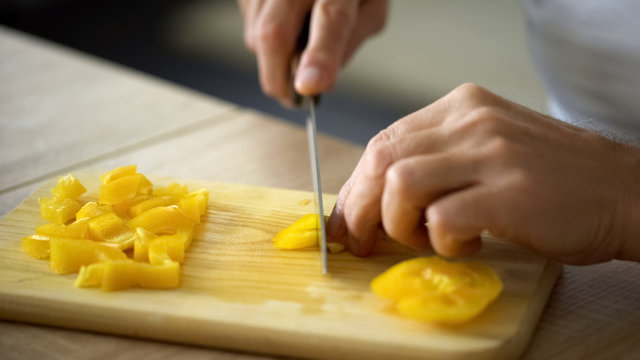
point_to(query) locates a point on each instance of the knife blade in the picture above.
(312, 134)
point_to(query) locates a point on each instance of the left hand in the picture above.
(473, 161)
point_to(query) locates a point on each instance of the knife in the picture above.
(312, 134)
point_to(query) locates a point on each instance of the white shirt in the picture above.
(588, 55)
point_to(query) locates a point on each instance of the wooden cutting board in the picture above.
(240, 292)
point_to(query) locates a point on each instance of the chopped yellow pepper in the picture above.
(68, 255)
(120, 189)
(122, 208)
(195, 204)
(129, 213)
(434, 290)
(78, 229)
(174, 190)
(58, 210)
(36, 246)
(123, 274)
(301, 234)
(112, 229)
(68, 187)
(166, 248)
(162, 220)
(141, 244)
(93, 209)
(118, 172)
(151, 203)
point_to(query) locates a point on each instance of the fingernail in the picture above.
(308, 79)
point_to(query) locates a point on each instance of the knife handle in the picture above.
(301, 44)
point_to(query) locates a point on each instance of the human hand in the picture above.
(337, 28)
(473, 161)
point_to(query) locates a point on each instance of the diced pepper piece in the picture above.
(68, 255)
(123, 274)
(163, 276)
(166, 248)
(141, 245)
(112, 229)
(195, 204)
(90, 275)
(78, 229)
(145, 187)
(68, 187)
(435, 290)
(185, 236)
(119, 190)
(36, 246)
(119, 275)
(58, 211)
(335, 247)
(93, 209)
(301, 234)
(175, 190)
(156, 201)
(118, 173)
(162, 220)
(122, 208)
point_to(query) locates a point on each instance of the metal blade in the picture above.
(317, 183)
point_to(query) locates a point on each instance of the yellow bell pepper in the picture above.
(123, 274)
(90, 275)
(141, 245)
(174, 190)
(162, 220)
(117, 173)
(119, 190)
(93, 209)
(301, 234)
(122, 208)
(151, 203)
(68, 187)
(58, 210)
(195, 204)
(167, 248)
(78, 229)
(68, 255)
(112, 229)
(434, 290)
(36, 246)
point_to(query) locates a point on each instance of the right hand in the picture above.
(337, 28)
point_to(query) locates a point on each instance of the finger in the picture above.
(412, 183)
(250, 10)
(361, 208)
(371, 19)
(457, 219)
(277, 29)
(332, 22)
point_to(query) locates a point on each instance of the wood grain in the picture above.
(238, 291)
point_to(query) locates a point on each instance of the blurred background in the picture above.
(427, 49)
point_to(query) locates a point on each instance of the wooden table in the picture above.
(62, 111)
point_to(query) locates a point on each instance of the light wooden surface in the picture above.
(239, 291)
(592, 311)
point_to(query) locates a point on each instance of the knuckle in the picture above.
(336, 12)
(271, 33)
(378, 159)
(471, 91)
(400, 179)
